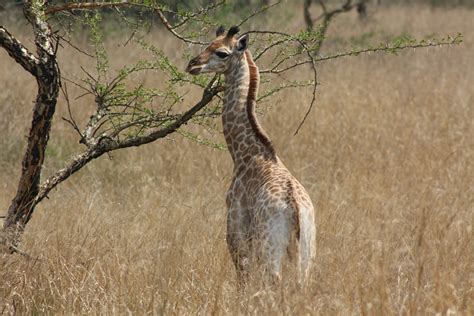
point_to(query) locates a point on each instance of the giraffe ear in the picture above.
(220, 30)
(242, 43)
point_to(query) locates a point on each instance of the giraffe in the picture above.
(270, 216)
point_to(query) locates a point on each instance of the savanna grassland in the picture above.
(386, 155)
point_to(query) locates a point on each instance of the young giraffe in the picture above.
(269, 212)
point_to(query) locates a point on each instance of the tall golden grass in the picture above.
(386, 154)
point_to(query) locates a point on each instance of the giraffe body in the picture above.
(270, 215)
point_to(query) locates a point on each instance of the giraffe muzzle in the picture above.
(193, 67)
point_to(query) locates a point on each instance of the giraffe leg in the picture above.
(243, 270)
(239, 251)
(239, 243)
(275, 244)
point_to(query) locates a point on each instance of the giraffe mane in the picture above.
(251, 101)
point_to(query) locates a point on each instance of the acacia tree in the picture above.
(328, 14)
(123, 115)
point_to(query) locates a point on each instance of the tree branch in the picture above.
(88, 6)
(107, 144)
(100, 5)
(258, 11)
(199, 12)
(208, 95)
(172, 31)
(327, 16)
(385, 48)
(17, 51)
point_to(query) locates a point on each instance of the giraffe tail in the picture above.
(301, 249)
(306, 242)
(294, 249)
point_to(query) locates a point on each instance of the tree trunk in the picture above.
(45, 69)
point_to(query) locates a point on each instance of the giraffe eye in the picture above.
(222, 55)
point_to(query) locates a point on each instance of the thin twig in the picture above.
(279, 71)
(275, 44)
(256, 12)
(385, 48)
(172, 31)
(100, 5)
(282, 87)
(310, 60)
(313, 99)
(88, 74)
(268, 32)
(71, 120)
(358, 52)
(206, 9)
(77, 85)
(75, 47)
(88, 6)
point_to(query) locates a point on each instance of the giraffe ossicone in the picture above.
(270, 215)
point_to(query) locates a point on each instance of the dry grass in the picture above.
(387, 157)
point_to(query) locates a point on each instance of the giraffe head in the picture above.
(224, 51)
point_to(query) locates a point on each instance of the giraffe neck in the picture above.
(244, 135)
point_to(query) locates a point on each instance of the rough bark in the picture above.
(45, 69)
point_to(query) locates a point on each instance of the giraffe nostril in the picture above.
(191, 68)
(193, 61)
